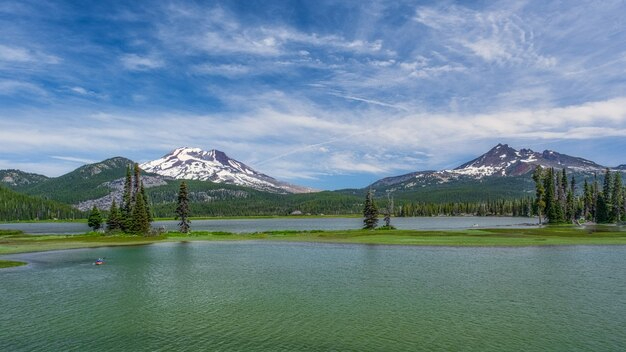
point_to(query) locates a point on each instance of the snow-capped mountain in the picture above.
(214, 165)
(501, 160)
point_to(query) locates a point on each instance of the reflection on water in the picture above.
(316, 297)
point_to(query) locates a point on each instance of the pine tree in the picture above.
(142, 190)
(370, 212)
(114, 221)
(618, 198)
(540, 203)
(136, 182)
(607, 188)
(127, 205)
(95, 219)
(553, 207)
(587, 201)
(182, 209)
(570, 213)
(140, 221)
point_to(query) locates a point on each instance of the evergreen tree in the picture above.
(618, 198)
(587, 201)
(136, 182)
(370, 212)
(142, 190)
(140, 222)
(127, 205)
(603, 214)
(114, 221)
(595, 193)
(570, 213)
(540, 203)
(182, 209)
(607, 189)
(553, 208)
(95, 219)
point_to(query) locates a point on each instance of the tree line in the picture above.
(558, 200)
(16, 206)
(133, 216)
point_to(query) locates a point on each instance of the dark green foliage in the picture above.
(127, 203)
(142, 190)
(16, 206)
(140, 224)
(603, 215)
(587, 201)
(182, 208)
(370, 212)
(617, 197)
(213, 199)
(114, 221)
(95, 219)
(539, 204)
(518, 207)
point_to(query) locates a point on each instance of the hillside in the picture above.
(16, 206)
(86, 182)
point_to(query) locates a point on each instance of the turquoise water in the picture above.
(316, 297)
(302, 224)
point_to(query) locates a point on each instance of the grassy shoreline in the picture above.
(16, 242)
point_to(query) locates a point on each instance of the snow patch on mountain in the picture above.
(215, 166)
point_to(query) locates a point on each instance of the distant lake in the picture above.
(262, 296)
(301, 224)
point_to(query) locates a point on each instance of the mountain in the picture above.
(215, 166)
(502, 167)
(17, 178)
(87, 182)
(503, 160)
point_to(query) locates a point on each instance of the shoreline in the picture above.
(501, 237)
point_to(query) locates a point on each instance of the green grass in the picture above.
(10, 264)
(16, 242)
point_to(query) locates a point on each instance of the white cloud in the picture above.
(11, 87)
(73, 159)
(135, 62)
(496, 36)
(226, 70)
(22, 55)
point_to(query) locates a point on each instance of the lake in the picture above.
(301, 224)
(243, 296)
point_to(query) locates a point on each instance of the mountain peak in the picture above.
(214, 165)
(506, 161)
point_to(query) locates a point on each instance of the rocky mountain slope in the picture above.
(500, 161)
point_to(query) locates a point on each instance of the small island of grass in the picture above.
(10, 264)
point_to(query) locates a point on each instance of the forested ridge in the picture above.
(17, 206)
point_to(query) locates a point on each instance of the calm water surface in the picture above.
(316, 297)
(256, 225)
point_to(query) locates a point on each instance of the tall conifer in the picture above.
(182, 208)
(540, 203)
(114, 221)
(370, 212)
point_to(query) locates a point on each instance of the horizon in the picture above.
(322, 95)
(350, 185)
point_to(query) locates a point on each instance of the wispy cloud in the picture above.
(22, 55)
(73, 159)
(135, 62)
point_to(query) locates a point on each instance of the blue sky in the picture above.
(328, 94)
